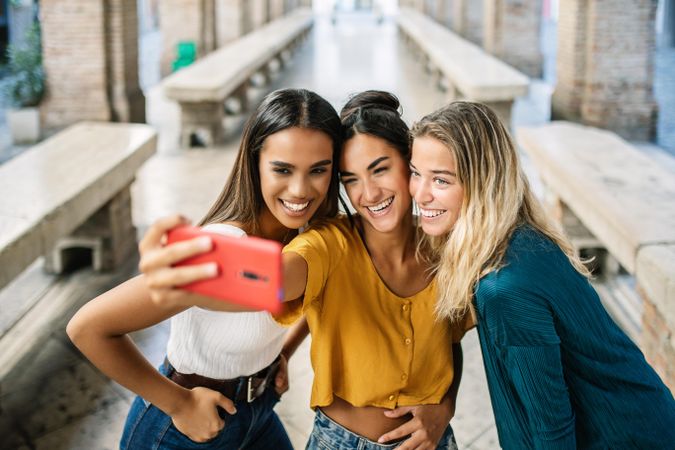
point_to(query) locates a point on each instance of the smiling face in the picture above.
(295, 171)
(375, 177)
(434, 185)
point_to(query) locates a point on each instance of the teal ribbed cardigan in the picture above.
(561, 373)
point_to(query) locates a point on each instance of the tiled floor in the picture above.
(56, 400)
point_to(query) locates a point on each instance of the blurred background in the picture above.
(115, 113)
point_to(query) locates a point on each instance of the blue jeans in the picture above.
(329, 435)
(254, 426)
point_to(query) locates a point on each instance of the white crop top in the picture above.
(223, 345)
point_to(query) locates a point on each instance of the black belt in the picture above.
(237, 389)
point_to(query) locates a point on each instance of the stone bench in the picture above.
(621, 196)
(63, 197)
(615, 196)
(202, 88)
(466, 71)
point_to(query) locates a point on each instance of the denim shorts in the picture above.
(329, 435)
(254, 426)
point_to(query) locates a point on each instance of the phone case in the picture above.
(249, 269)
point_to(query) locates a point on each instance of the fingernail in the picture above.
(205, 243)
(212, 269)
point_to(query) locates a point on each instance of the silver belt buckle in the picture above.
(249, 391)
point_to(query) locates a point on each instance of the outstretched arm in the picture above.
(163, 278)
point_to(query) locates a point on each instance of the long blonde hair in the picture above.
(497, 199)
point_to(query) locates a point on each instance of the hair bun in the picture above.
(371, 100)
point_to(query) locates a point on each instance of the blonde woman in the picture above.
(561, 373)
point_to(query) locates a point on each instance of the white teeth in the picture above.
(295, 206)
(431, 213)
(381, 206)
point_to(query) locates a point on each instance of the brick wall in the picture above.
(128, 102)
(571, 60)
(511, 33)
(259, 13)
(605, 66)
(74, 57)
(234, 19)
(618, 92)
(90, 55)
(276, 9)
(657, 343)
(180, 20)
(655, 274)
(473, 29)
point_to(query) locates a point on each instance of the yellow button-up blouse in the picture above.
(370, 347)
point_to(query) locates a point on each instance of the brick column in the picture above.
(259, 13)
(466, 19)
(571, 60)
(430, 8)
(186, 20)
(439, 13)
(511, 33)
(90, 47)
(234, 19)
(276, 9)
(605, 66)
(126, 97)
(655, 273)
(618, 92)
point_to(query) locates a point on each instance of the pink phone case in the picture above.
(249, 269)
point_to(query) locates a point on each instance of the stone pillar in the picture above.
(276, 9)
(186, 20)
(473, 30)
(259, 13)
(430, 8)
(466, 19)
(234, 19)
(605, 66)
(571, 60)
(440, 12)
(511, 33)
(126, 97)
(655, 274)
(290, 6)
(618, 93)
(90, 47)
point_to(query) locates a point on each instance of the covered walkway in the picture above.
(57, 400)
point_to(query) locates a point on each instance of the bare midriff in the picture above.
(367, 421)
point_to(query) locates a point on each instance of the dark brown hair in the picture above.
(241, 199)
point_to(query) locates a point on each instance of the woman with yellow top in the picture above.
(383, 364)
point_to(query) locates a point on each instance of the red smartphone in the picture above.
(249, 268)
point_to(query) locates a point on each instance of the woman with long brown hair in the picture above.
(284, 176)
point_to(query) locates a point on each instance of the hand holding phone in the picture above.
(249, 268)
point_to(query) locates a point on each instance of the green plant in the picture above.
(25, 84)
